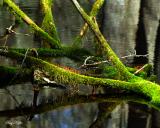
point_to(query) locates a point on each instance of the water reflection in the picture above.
(120, 21)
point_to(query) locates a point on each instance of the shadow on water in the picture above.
(23, 107)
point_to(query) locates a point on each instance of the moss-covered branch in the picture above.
(132, 84)
(77, 54)
(19, 75)
(108, 52)
(94, 11)
(48, 22)
(16, 75)
(53, 42)
(138, 86)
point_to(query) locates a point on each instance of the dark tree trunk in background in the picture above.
(141, 42)
(157, 55)
(137, 116)
(156, 114)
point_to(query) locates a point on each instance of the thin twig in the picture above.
(24, 57)
(134, 55)
(93, 64)
(105, 61)
(141, 69)
(10, 31)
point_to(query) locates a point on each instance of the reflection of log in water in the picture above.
(68, 100)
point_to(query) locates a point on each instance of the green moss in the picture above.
(96, 7)
(48, 22)
(54, 43)
(76, 54)
(94, 11)
(148, 90)
(110, 72)
(128, 82)
(10, 70)
(108, 52)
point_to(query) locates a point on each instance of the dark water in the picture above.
(119, 23)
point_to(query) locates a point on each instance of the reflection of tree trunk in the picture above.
(138, 116)
(105, 110)
(141, 42)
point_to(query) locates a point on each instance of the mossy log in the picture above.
(138, 86)
(17, 75)
(53, 42)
